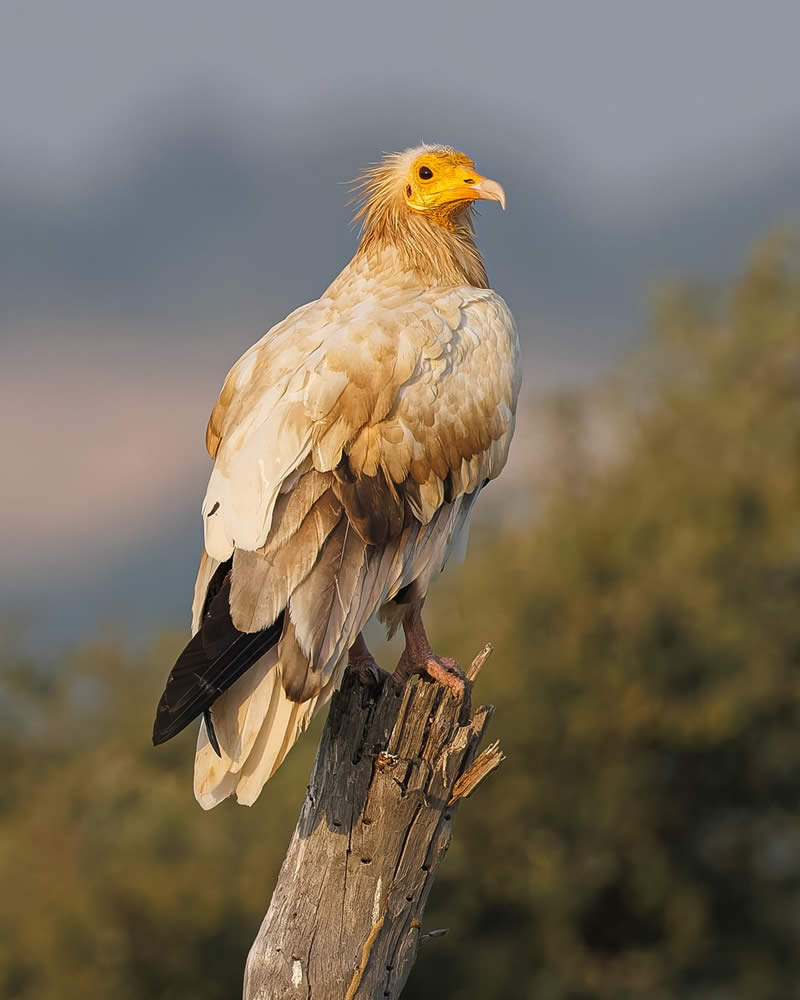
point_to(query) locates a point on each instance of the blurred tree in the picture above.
(642, 839)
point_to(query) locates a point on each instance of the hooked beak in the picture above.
(489, 190)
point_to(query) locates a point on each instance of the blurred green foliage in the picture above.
(642, 839)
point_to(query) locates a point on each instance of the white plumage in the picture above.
(350, 444)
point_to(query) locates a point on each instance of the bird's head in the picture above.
(436, 182)
(419, 202)
(440, 183)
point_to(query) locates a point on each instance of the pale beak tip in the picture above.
(491, 191)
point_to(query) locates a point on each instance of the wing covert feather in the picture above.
(406, 391)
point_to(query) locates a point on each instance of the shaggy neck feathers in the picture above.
(440, 249)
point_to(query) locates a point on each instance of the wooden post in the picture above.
(345, 919)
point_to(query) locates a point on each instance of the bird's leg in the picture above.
(363, 663)
(419, 658)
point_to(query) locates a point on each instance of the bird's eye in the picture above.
(425, 173)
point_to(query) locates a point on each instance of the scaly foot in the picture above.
(362, 662)
(419, 658)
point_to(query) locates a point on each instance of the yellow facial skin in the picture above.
(441, 185)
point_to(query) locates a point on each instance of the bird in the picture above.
(350, 444)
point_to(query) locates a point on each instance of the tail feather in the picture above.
(270, 750)
(213, 778)
(274, 723)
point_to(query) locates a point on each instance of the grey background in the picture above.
(171, 184)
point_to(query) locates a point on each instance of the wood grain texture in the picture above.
(345, 919)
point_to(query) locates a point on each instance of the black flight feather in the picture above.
(213, 660)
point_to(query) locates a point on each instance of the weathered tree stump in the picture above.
(345, 919)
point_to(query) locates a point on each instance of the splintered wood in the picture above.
(345, 919)
(491, 758)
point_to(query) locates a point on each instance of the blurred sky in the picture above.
(169, 188)
(630, 91)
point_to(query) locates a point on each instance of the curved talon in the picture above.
(362, 663)
(369, 673)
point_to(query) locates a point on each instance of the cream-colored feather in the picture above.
(263, 581)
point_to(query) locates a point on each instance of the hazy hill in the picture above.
(197, 223)
(197, 214)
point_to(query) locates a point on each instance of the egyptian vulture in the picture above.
(349, 444)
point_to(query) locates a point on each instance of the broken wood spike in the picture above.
(483, 764)
(478, 662)
(435, 934)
